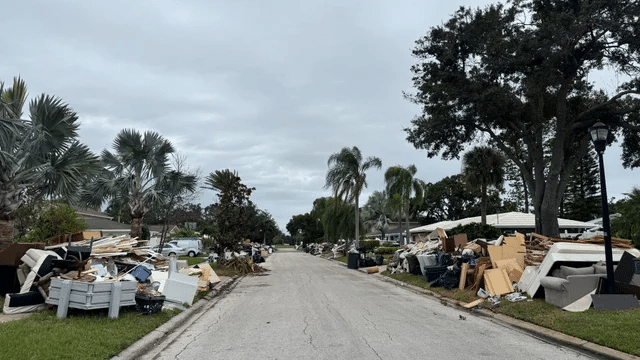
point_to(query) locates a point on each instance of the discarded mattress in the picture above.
(565, 252)
(23, 303)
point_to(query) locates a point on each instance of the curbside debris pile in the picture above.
(87, 273)
(568, 273)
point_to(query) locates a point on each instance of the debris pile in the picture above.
(562, 270)
(91, 273)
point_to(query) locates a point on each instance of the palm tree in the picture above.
(347, 177)
(232, 207)
(39, 157)
(222, 181)
(378, 212)
(133, 173)
(482, 168)
(401, 184)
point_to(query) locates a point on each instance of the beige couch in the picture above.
(570, 284)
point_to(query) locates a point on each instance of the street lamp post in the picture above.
(599, 133)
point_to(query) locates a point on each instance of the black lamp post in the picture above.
(599, 133)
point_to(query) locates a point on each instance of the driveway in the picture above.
(311, 308)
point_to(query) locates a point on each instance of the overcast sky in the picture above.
(267, 88)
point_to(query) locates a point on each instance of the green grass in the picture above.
(193, 260)
(615, 329)
(280, 246)
(82, 335)
(341, 258)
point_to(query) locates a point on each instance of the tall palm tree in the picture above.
(39, 157)
(347, 177)
(222, 181)
(482, 168)
(133, 173)
(402, 184)
(378, 212)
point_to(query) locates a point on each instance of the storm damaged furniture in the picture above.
(570, 284)
(91, 295)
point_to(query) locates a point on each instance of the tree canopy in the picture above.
(231, 209)
(347, 177)
(516, 77)
(483, 168)
(133, 175)
(39, 157)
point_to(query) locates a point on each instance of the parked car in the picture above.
(170, 249)
(191, 246)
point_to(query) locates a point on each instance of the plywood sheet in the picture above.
(497, 282)
(495, 254)
(514, 247)
(514, 270)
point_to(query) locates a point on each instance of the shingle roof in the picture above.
(506, 220)
(104, 224)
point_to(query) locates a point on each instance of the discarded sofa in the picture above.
(571, 284)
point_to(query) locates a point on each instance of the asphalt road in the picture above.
(311, 308)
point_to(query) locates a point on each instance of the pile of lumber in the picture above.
(538, 245)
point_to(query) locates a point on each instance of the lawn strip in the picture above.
(84, 334)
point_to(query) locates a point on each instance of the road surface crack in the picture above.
(375, 326)
(304, 331)
(372, 349)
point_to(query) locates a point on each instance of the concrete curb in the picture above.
(167, 331)
(536, 330)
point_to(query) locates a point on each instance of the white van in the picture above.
(192, 246)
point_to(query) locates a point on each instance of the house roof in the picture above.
(90, 213)
(509, 220)
(105, 224)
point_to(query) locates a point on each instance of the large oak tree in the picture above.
(516, 76)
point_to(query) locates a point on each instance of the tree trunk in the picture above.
(6, 233)
(483, 205)
(408, 233)
(357, 241)
(136, 226)
(526, 195)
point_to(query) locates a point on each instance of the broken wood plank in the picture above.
(473, 303)
(463, 276)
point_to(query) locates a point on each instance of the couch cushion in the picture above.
(567, 271)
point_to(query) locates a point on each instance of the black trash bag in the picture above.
(443, 259)
(369, 261)
(379, 260)
(449, 280)
(414, 264)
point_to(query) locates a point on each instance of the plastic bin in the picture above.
(148, 304)
(352, 260)
(431, 273)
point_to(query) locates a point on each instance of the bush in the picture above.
(476, 231)
(55, 220)
(370, 244)
(386, 250)
(627, 226)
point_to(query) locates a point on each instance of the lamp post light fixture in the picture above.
(599, 133)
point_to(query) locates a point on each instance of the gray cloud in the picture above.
(269, 89)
